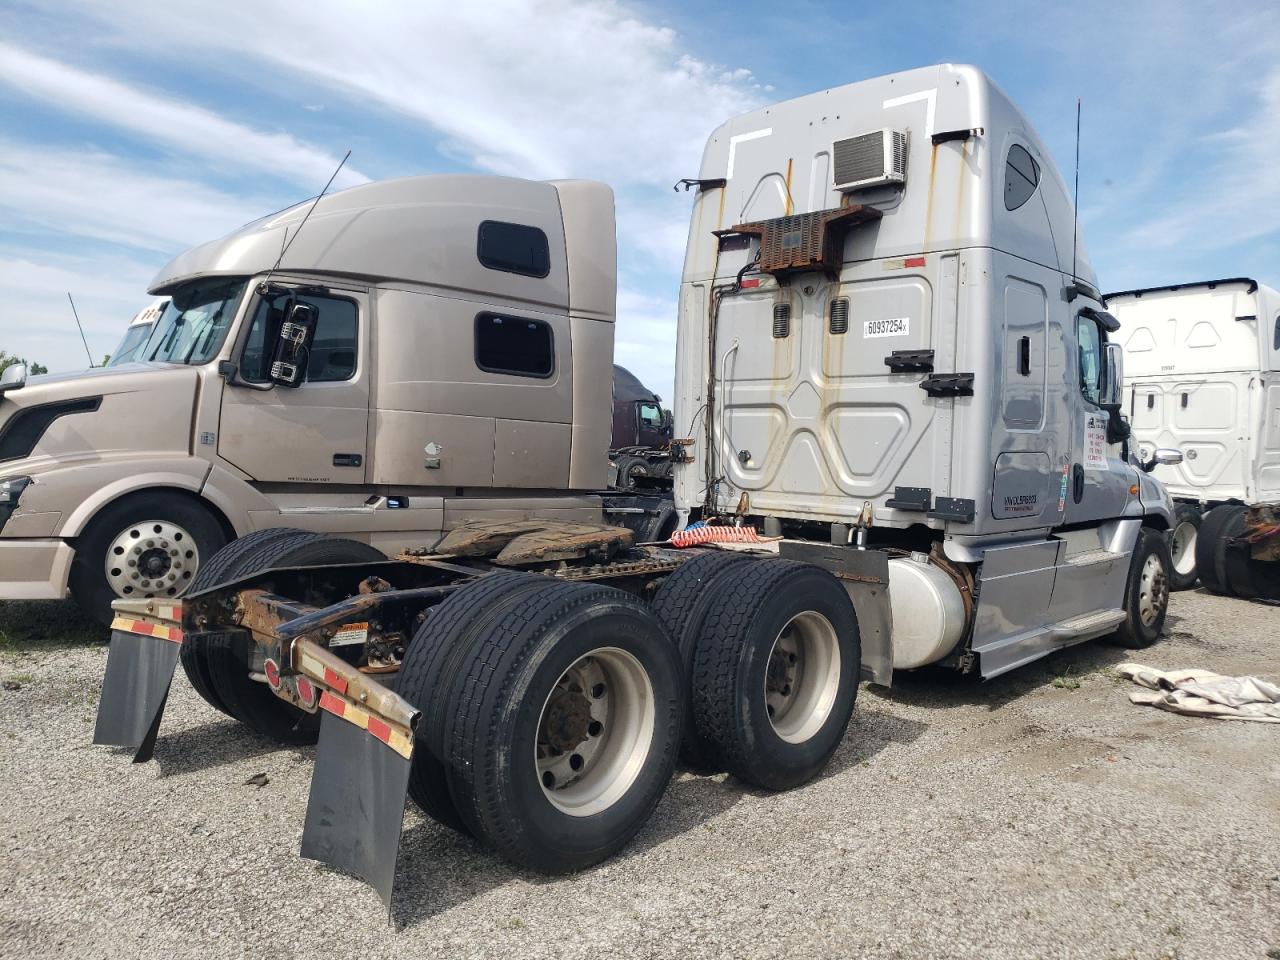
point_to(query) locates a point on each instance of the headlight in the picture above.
(10, 490)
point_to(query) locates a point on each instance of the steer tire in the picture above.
(766, 609)
(1146, 589)
(429, 667)
(1211, 548)
(1186, 531)
(682, 603)
(565, 654)
(88, 580)
(229, 655)
(227, 564)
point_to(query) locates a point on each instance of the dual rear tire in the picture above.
(553, 711)
(552, 714)
(1226, 565)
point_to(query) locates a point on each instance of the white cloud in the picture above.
(1236, 199)
(182, 127)
(535, 89)
(94, 194)
(36, 318)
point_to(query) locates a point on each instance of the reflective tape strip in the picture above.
(393, 737)
(318, 671)
(147, 629)
(335, 680)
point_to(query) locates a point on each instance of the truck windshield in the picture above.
(194, 322)
(135, 338)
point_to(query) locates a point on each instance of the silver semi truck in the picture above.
(1203, 362)
(907, 450)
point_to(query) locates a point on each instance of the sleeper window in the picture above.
(333, 350)
(1021, 176)
(514, 345)
(513, 248)
(1277, 340)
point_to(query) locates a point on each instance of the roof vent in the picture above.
(781, 320)
(839, 315)
(870, 160)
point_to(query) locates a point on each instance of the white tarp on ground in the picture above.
(1204, 693)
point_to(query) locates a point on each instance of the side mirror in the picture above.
(13, 377)
(289, 362)
(1109, 394)
(1162, 457)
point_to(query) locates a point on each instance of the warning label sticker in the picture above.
(1095, 442)
(893, 327)
(350, 633)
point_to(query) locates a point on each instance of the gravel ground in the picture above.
(1037, 815)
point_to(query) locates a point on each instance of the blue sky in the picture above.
(130, 131)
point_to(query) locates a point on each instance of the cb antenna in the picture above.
(80, 327)
(289, 240)
(1075, 200)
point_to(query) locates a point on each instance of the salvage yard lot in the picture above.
(1035, 815)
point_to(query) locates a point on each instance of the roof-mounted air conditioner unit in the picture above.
(870, 160)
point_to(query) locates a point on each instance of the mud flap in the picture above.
(356, 808)
(134, 691)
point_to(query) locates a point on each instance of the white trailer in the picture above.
(1203, 370)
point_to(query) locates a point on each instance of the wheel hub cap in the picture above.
(1153, 590)
(155, 558)
(595, 732)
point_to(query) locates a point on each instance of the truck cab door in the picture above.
(313, 433)
(650, 419)
(1097, 486)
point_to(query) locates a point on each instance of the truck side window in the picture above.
(1277, 343)
(515, 345)
(513, 248)
(1021, 176)
(650, 414)
(333, 351)
(1090, 359)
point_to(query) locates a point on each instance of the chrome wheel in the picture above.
(595, 732)
(154, 558)
(1153, 590)
(1183, 547)
(803, 677)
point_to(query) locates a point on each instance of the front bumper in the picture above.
(34, 569)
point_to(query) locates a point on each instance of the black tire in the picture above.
(1237, 561)
(681, 603)
(495, 722)
(89, 585)
(660, 526)
(229, 563)
(427, 673)
(228, 656)
(1211, 548)
(1185, 534)
(1146, 587)
(735, 659)
(630, 468)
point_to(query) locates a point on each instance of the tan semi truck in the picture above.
(905, 414)
(441, 384)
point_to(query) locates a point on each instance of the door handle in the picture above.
(1077, 483)
(348, 459)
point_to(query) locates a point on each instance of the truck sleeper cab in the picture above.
(1203, 365)
(888, 331)
(905, 409)
(458, 324)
